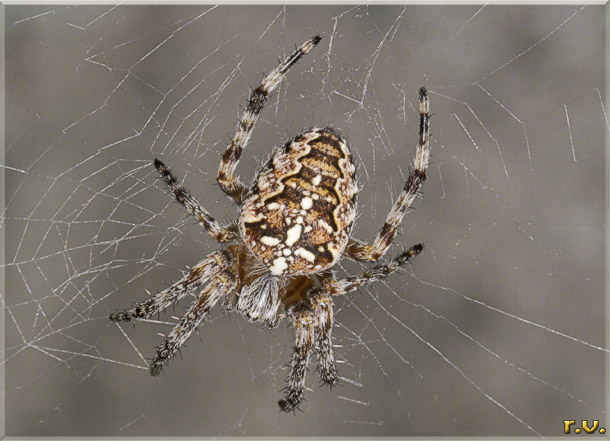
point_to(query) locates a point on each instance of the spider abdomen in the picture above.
(298, 215)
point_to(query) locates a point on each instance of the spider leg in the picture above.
(361, 251)
(228, 182)
(304, 328)
(198, 275)
(322, 304)
(183, 196)
(220, 285)
(314, 324)
(343, 286)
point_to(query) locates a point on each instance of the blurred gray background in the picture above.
(498, 328)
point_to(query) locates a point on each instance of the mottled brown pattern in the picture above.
(309, 183)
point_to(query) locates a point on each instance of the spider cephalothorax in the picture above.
(294, 225)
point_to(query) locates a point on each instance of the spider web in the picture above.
(498, 328)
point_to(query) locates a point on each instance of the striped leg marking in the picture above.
(361, 251)
(343, 286)
(220, 286)
(200, 273)
(183, 196)
(322, 304)
(229, 183)
(304, 323)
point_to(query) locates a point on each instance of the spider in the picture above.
(294, 225)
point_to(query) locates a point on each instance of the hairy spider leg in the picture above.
(229, 183)
(348, 284)
(183, 196)
(322, 304)
(199, 274)
(313, 325)
(303, 321)
(220, 286)
(365, 252)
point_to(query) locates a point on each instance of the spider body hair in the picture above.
(295, 224)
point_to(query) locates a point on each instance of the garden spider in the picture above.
(294, 226)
